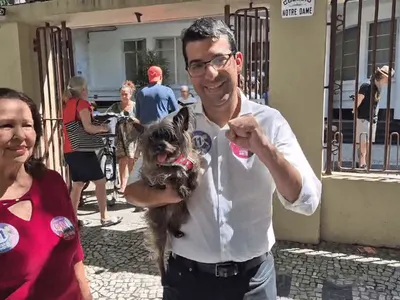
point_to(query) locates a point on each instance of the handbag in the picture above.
(81, 140)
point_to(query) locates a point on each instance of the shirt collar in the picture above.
(244, 108)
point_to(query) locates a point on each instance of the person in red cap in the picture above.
(155, 101)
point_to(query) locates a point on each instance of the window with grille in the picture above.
(132, 50)
(171, 50)
(346, 54)
(383, 47)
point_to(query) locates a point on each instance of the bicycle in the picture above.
(107, 155)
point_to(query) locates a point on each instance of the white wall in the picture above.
(99, 55)
(81, 53)
(349, 88)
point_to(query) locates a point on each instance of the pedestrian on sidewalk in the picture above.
(41, 256)
(249, 151)
(186, 97)
(84, 166)
(126, 140)
(154, 101)
(365, 120)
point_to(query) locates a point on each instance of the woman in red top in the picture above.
(40, 251)
(84, 166)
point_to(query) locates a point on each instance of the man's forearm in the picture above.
(140, 194)
(287, 178)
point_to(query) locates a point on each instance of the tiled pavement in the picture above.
(119, 268)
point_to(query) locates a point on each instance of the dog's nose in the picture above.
(160, 148)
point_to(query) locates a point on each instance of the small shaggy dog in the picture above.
(169, 159)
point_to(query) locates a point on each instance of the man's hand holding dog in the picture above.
(140, 194)
(170, 196)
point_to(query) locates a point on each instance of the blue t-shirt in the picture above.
(154, 102)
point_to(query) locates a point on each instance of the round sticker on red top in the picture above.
(240, 152)
(63, 227)
(9, 237)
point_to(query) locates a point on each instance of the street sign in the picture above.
(297, 8)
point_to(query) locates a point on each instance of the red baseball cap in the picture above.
(154, 73)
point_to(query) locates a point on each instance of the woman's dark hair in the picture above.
(206, 28)
(33, 166)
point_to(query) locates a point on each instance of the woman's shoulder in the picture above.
(51, 178)
(70, 102)
(75, 101)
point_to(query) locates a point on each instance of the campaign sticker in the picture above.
(63, 227)
(9, 237)
(201, 141)
(240, 152)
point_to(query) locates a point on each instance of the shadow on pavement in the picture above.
(91, 207)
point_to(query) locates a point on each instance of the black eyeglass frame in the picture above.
(205, 63)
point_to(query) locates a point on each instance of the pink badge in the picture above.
(240, 152)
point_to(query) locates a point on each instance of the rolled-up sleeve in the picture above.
(310, 194)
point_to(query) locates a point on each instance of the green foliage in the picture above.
(146, 60)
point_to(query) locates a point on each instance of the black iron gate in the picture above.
(53, 46)
(251, 28)
(345, 62)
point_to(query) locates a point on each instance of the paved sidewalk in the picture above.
(118, 265)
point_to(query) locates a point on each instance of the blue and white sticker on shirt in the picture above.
(201, 141)
(63, 227)
(9, 237)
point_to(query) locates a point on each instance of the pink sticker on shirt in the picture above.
(240, 152)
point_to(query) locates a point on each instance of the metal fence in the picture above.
(361, 31)
(53, 46)
(251, 29)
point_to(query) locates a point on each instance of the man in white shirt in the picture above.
(250, 150)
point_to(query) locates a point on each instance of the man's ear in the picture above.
(139, 127)
(239, 61)
(181, 119)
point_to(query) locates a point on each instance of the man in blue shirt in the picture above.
(155, 101)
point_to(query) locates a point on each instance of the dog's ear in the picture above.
(181, 119)
(139, 127)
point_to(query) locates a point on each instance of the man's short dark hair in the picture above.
(205, 28)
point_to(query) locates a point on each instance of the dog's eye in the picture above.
(161, 135)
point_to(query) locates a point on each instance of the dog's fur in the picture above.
(171, 137)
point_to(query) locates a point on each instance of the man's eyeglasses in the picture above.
(197, 69)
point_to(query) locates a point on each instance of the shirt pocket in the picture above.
(243, 157)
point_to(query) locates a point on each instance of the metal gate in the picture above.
(53, 46)
(347, 67)
(251, 28)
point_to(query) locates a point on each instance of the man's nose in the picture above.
(211, 72)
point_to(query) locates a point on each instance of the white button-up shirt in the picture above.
(231, 209)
